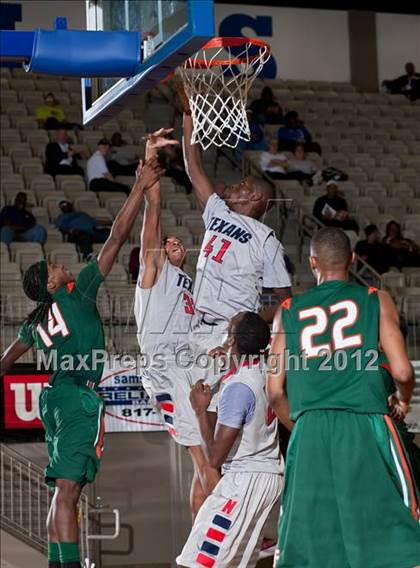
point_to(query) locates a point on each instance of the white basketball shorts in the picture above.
(169, 391)
(228, 529)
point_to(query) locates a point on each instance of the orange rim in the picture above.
(218, 42)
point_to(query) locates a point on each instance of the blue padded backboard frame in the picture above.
(199, 29)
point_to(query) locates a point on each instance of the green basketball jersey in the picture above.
(332, 334)
(73, 330)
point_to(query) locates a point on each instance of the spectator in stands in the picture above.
(332, 209)
(294, 131)
(408, 84)
(266, 109)
(279, 166)
(18, 224)
(80, 228)
(172, 161)
(98, 174)
(123, 160)
(406, 251)
(51, 115)
(373, 251)
(300, 163)
(60, 158)
(273, 163)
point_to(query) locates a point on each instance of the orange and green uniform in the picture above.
(349, 499)
(71, 410)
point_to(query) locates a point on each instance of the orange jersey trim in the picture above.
(286, 303)
(405, 466)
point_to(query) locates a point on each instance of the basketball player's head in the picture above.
(251, 196)
(175, 250)
(248, 334)
(44, 278)
(40, 281)
(331, 253)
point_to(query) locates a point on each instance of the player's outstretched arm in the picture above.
(276, 374)
(152, 256)
(202, 186)
(393, 344)
(147, 175)
(11, 355)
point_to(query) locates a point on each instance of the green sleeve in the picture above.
(88, 282)
(25, 334)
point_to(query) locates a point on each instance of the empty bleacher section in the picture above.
(374, 138)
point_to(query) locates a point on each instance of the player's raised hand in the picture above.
(218, 352)
(148, 173)
(200, 396)
(159, 138)
(399, 409)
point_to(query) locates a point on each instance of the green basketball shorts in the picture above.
(349, 499)
(73, 418)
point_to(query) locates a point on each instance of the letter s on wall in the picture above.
(232, 26)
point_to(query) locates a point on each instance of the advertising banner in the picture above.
(128, 407)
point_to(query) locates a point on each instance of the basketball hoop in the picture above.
(217, 80)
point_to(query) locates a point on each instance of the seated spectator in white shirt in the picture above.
(278, 166)
(271, 162)
(300, 163)
(99, 177)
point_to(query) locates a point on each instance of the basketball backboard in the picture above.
(171, 30)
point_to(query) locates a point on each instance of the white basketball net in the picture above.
(217, 81)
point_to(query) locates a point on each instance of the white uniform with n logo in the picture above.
(228, 528)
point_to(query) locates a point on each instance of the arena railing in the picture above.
(25, 501)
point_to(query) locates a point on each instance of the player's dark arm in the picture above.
(276, 374)
(218, 444)
(202, 186)
(151, 253)
(11, 355)
(393, 344)
(147, 175)
(268, 312)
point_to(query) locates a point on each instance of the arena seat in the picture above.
(25, 254)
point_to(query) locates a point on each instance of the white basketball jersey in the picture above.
(163, 313)
(256, 449)
(239, 255)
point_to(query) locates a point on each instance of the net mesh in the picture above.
(217, 81)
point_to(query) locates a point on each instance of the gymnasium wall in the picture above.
(306, 43)
(398, 40)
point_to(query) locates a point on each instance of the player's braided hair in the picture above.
(32, 284)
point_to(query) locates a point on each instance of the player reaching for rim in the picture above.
(349, 497)
(164, 309)
(239, 255)
(66, 321)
